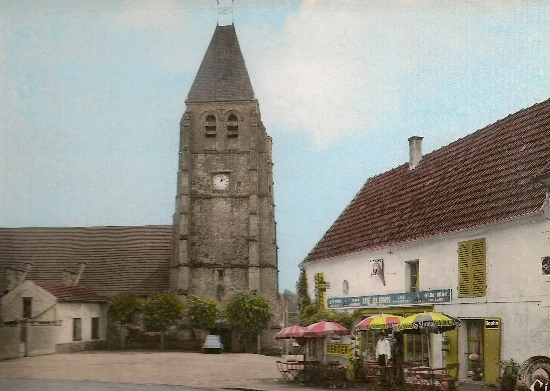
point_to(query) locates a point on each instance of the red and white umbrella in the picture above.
(324, 329)
(291, 332)
(379, 322)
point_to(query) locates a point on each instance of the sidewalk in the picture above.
(228, 370)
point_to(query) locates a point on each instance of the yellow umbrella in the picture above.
(379, 322)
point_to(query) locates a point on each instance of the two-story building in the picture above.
(463, 230)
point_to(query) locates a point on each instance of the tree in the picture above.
(162, 310)
(301, 290)
(248, 313)
(202, 312)
(123, 309)
(291, 312)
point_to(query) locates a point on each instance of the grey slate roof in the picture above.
(119, 259)
(222, 75)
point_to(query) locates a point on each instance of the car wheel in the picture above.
(537, 367)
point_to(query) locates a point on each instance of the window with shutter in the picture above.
(471, 268)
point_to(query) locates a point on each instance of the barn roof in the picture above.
(485, 177)
(118, 259)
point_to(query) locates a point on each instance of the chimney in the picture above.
(15, 276)
(415, 151)
(81, 267)
(71, 278)
(28, 266)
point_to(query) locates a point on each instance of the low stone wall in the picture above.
(10, 337)
(73, 347)
(41, 339)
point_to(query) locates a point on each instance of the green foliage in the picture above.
(509, 368)
(248, 312)
(313, 314)
(124, 307)
(202, 312)
(304, 301)
(162, 310)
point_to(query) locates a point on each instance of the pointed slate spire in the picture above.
(222, 75)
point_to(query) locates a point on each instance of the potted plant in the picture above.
(475, 368)
(508, 374)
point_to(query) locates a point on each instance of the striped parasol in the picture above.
(291, 332)
(380, 322)
(324, 329)
(434, 322)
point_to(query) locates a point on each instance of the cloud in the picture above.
(338, 69)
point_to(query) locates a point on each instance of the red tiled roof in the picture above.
(485, 177)
(118, 259)
(72, 293)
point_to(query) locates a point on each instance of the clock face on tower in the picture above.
(220, 181)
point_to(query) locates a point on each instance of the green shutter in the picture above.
(463, 270)
(478, 268)
(491, 349)
(471, 268)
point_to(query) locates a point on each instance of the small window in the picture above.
(546, 266)
(27, 307)
(210, 125)
(232, 126)
(77, 329)
(220, 292)
(412, 276)
(95, 328)
(345, 287)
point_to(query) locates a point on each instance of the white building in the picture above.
(52, 318)
(463, 230)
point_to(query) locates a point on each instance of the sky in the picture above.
(92, 92)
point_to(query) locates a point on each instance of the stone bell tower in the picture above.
(224, 222)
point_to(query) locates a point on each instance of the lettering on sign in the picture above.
(392, 299)
(492, 323)
(339, 349)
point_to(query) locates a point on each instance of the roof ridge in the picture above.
(455, 187)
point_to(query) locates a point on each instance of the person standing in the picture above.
(383, 350)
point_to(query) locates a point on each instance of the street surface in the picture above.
(69, 385)
(125, 370)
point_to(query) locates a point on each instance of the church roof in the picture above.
(485, 177)
(222, 75)
(79, 293)
(118, 259)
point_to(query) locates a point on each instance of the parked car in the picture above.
(212, 344)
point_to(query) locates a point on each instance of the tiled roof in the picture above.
(72, 293)
(119, 259)
(483, 178)
(222, 75)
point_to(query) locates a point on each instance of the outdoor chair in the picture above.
(286, 375)
(451, 376)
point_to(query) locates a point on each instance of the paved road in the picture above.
(194, 370)
(69, 385)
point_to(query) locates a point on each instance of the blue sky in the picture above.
(92, 93)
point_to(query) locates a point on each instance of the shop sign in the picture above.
(339, 349)
(492, 323)
(391, 299)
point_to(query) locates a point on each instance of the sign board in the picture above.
(391, 299)
(340, 349)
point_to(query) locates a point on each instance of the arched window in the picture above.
(232, 126)
(210, 125)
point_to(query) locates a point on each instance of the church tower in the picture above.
(224, 222)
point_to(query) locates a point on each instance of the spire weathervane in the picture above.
(225, 11)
